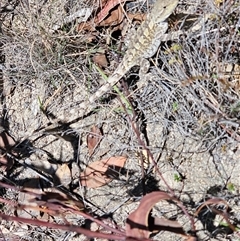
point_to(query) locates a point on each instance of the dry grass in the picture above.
(188, 114)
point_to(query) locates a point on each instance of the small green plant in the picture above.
(177, 177)
(175, 106)
(230, 187)
(224, 224)
(41, 106)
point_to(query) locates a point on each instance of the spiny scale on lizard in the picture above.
(143, 44)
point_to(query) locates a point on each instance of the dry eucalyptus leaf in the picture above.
(6, 144)
(63, 175)
(87, 26)
(115, 18)
(137, 16)
(138, 225)
(6, 141)
(100, 60)
(55, 198)
(106, 17)
(102, 172)
(107, 11)
(93, 139)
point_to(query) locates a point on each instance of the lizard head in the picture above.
(162, 9)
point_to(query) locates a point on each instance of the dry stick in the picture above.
(85, 215)
(132, 123)
(233, 134)
(221, 213)
(46, 178)
(55, 209)
(72, 228)
(141, 143)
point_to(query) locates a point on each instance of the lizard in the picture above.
(143, 44)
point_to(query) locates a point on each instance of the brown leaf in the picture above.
(164, 224)
(63, 175)
(102, 172)
(137, 16)
(93, 139)
(106, 10)
(87, 26)
(6, 144)
(115, 18)
(6, 141)
(54, 199)
(138, 225)
(105, 17)
(100, 60)
(191, 239)
(110, 16)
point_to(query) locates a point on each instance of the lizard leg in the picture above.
(143, 75)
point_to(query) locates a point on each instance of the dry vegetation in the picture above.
(181, 134)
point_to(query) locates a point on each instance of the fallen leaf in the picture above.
(115, 18)
(137, 16)
(87, 26)
(110, 15)
(106, 10)
(105, 17)
(100, 60)
(138, 223)
(55, 199)
(63, 175)
(6, 141)
(101, 172)
(93, 139)
(6, 144)
(191, 239)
